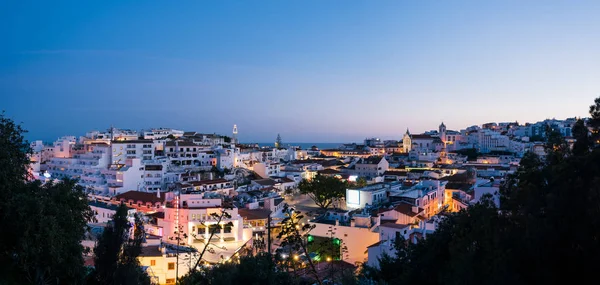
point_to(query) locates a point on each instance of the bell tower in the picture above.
(442, 132)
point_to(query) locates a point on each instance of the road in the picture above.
(304, 204)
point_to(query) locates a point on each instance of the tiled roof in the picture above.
(329, 171)
(406, 209)
(159, 215)
(265, 182)
(421, 137)
(138, 196)
(370, 160)
(255, 214)
(286, 180)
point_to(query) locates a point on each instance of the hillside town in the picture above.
(182, 183)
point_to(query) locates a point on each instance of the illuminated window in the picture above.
(152, 262)
(171, 281)
(171, 265)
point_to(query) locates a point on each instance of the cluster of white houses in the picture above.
(182, 181)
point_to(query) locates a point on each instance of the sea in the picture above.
(306, 145)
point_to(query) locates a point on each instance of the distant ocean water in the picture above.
(306, 145)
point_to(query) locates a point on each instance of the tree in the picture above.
(43, 224)
(278, 143)
(256, 270)
(594, 122)
(295, 237)
(323, 190)
(219, 223)
(115, 254)
(361, 182)
(582, 138)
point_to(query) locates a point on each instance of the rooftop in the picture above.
(407, 209)
(151, 250)
(255, 214)
(393, 226)
(372, 187)
(103, 205)
(138, 196)
(265, 182)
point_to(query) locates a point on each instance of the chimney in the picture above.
(352, 223)
(337, 222)
(415, 209)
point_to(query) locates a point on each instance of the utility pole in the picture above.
(269, 234)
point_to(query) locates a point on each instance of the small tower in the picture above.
(406, 142)
(443, 132)
(234, 139)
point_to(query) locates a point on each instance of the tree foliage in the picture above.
(294, 237)
(582, 138)
(42, 224)
(323, 190)
(252, 270)
(115, 254)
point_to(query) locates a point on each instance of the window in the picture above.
(171, 266)
(152, 262)
(214, 228)
(227, 229)
(201, 230)
(171, 281)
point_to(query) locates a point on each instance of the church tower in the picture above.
(442, 132)
(406, 142)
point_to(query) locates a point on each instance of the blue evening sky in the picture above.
(314, 71)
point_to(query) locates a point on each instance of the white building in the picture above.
(371, 167)
(123, 150)
(266, 170)
(161, 133)
(369, 195)
(97, 157)
(192, 214)
(186, 153)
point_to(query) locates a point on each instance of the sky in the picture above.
(312, 71)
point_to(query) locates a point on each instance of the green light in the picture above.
(337, 241)
(310, 238)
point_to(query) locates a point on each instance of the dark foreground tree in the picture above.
(251, 270)
(42, 225)
(323, 190)
(115, 255)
